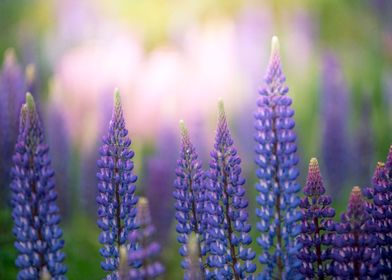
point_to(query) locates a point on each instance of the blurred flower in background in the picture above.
(335, 114)
(12, 92)
(159, 177)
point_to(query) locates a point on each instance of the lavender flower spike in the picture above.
(116, 198)
(355, 253)
(317, 225)
(227, 233)
(35, 213)
(144, 251)
(189, 195)
(381, 212)
(277, 173)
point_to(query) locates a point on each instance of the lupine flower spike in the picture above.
(277, 173)
(35, 213)
(381, 212)
(189, 195)
(227, 233)
(116, 198)
(317, 226)
(144, 251)
(355, 253)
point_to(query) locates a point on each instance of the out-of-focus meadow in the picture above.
(173, 59)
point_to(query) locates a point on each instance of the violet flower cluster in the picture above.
(298, 237)
(144, 251)
(116, 199)
(354, 253)
(317, 226)
(277, 172)
(380, 211)
(227, 232)
(35, 213)
(189, 194)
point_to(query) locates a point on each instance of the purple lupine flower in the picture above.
(159, 182)
(144, 251)
(354, 252)
(35, 213)
(381, 212)
(12, 91)
(116, 199)
(317, 226)
(277, 173)
(334, 116)
(189, 194)
(227, 233)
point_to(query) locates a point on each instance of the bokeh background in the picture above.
(171, 60)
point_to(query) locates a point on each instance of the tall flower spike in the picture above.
(189, 195)
(317, 226)
(380, 211)
(116, 198)
(227, 233)
(277, 172)
(35, 213)
(144, 251)
(354, 254)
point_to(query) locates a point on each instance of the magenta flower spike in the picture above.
(380, 211)
(355, 253)
(316, 227)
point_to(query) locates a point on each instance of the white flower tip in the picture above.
(313, 161)
(274, 44)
